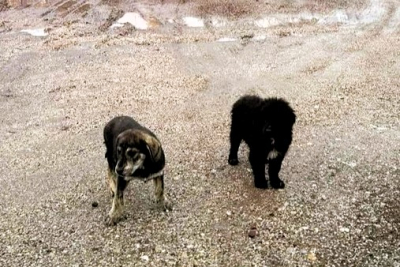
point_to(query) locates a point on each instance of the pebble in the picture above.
(95, 204)
(144, 258)
(311, 256)
(253, 231)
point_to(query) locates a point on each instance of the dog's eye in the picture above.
(131, 153)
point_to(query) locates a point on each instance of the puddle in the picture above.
(36, 32)
(133, 18)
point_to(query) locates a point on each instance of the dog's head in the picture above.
(133, 147)
(278, 119)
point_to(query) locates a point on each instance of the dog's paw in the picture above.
(277, 184)
(113, 220)
(110, 221)
(261, 183)
(233, 161)
(167, 205)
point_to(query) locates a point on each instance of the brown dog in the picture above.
(133, 152)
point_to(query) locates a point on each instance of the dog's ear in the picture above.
(153, 146)
(115, 147)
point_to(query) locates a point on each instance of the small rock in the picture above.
(95, 204)
(144, 258)
(252, 233)
(311, 256)
(247, 36)
(154, 23)
(229, 213)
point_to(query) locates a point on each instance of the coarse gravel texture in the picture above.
(340, 206)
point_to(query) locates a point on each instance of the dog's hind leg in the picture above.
(117, 208)
(235, 139)
(273, 172)
(159, 193)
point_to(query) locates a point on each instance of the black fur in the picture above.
(266, 126)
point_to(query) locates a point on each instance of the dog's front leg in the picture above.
(258, 166)
(273, 172)
(159, 193)
(112, 181)
(117, 209)
(235, 139)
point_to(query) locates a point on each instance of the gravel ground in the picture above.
(341, 204)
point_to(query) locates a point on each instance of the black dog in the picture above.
(133, 151)
(266, 126)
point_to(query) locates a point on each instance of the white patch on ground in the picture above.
(218, 22)
(394, 22)
(259, 37)
(280, 19)
(116, 25)
(337, 16)
(374, 12)
(267, 22)
(226, 39)
(193, 22)
(36, 32)
(133, 18)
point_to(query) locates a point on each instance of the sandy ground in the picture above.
(341, 204)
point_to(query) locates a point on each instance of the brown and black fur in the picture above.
(266, 126)
(132, 152)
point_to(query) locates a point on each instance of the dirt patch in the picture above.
(65, 6)
(4, 5)
(110, 2)
(340, 207)
(225, 8)
(82, 9)
(323, 5)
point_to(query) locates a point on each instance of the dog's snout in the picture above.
(119, 170)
